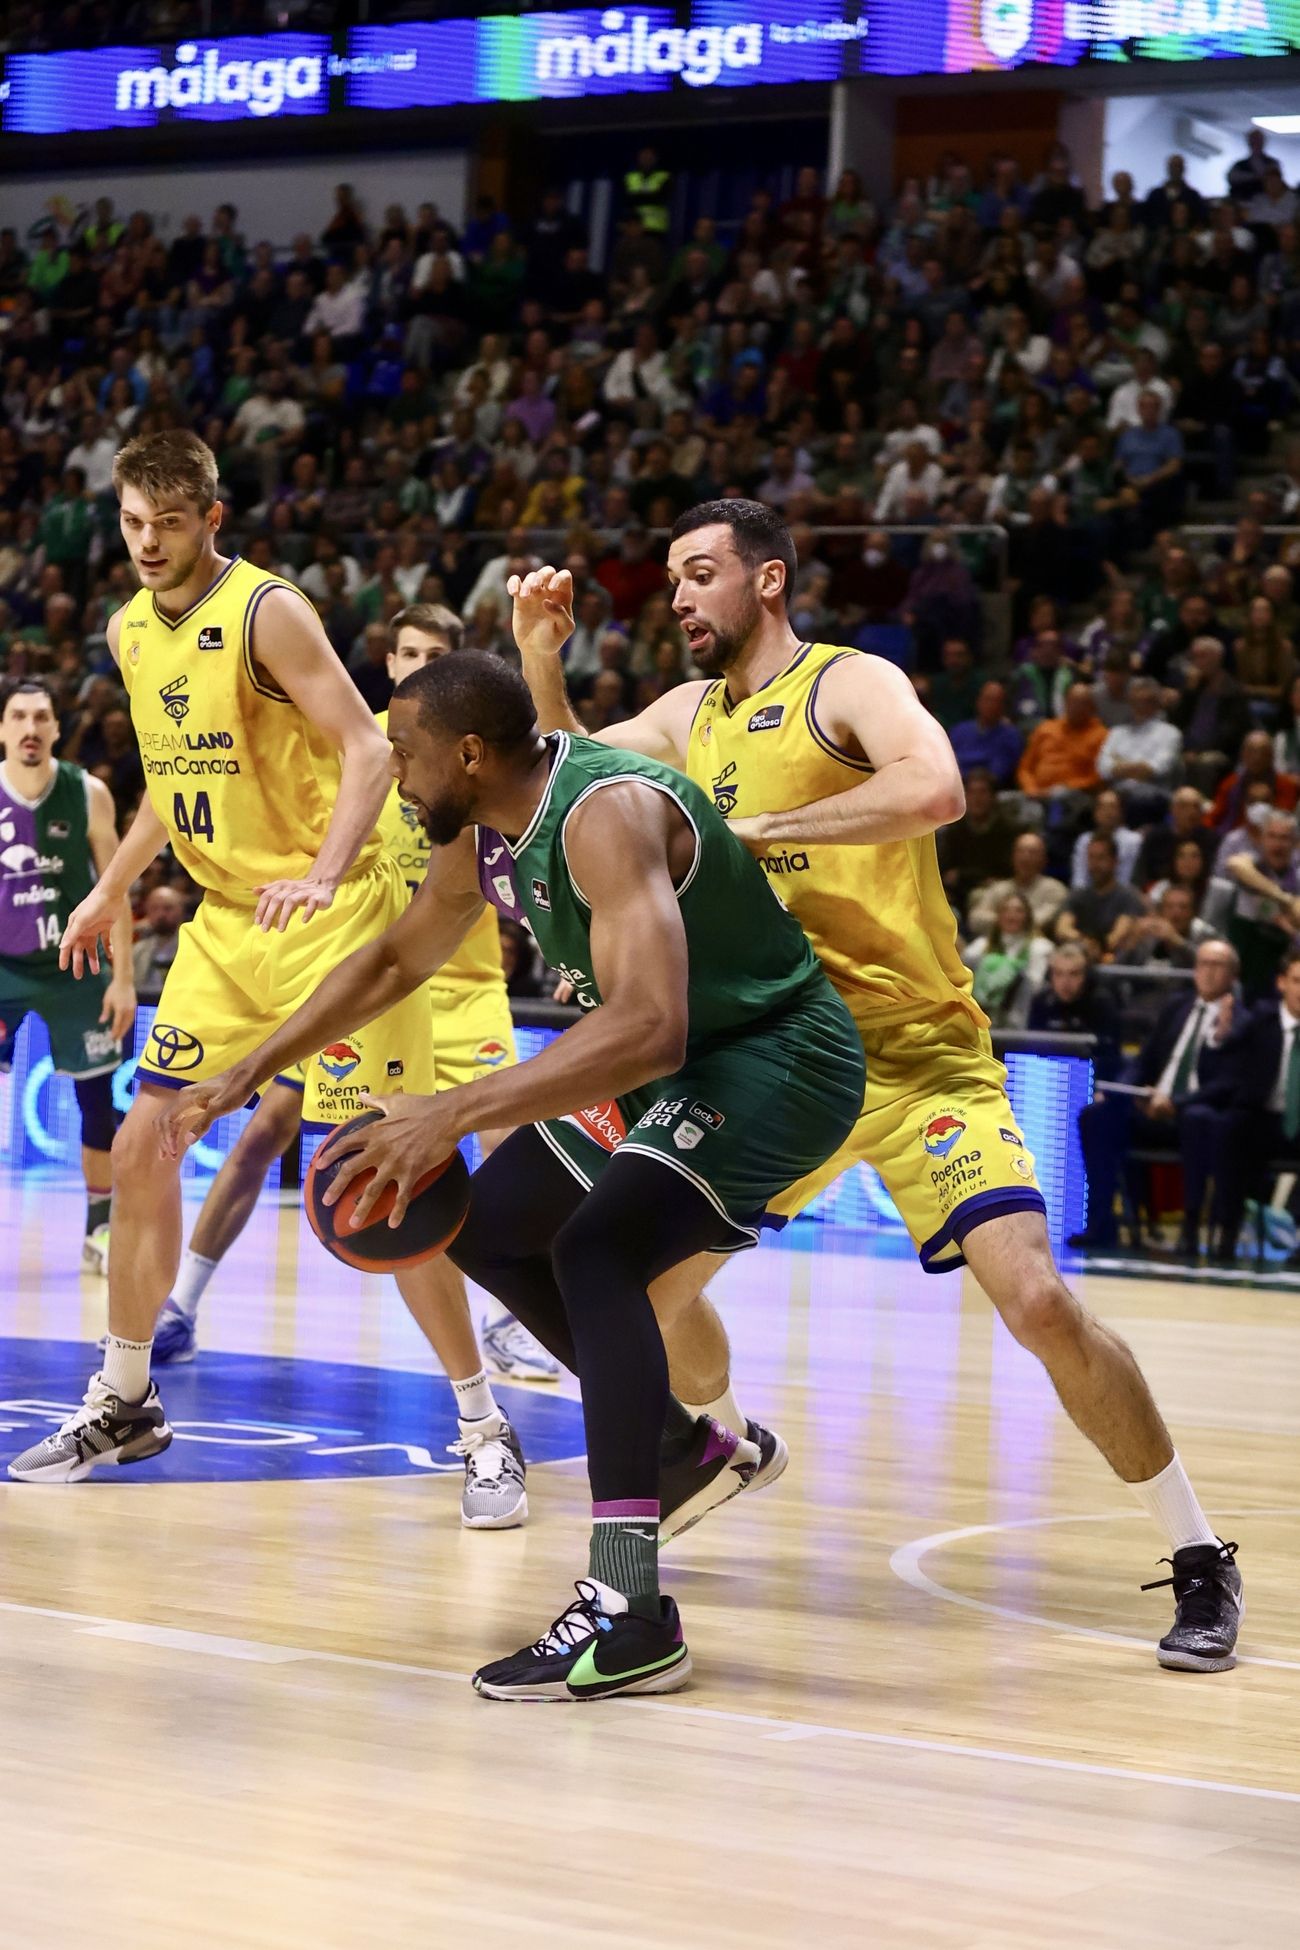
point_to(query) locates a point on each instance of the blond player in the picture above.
(266, 774)
(473, 1036)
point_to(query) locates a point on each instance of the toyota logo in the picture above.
(173, 1048)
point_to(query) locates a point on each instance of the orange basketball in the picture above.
(434, 1216)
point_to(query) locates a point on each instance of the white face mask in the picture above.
(939, 552)
(873, 557)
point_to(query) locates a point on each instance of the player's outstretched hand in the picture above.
(414, 1134)
(119, 1006)
(193, 1111)
(279, 900)
(89, 929)
(543, 615)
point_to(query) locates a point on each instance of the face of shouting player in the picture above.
(167, 539)
(717, 599)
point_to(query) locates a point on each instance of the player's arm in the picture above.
(118, 1010)
(868, 709)
(290, 645)
(105, 910)
(372, 980)
(619, 856)
(543, 624)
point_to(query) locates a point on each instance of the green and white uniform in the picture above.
(46, 868)
(773, 1077)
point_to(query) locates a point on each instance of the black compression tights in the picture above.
(576, 1267)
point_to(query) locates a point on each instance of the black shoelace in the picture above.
(1197, 1595)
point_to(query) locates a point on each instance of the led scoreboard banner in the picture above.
(700, 45)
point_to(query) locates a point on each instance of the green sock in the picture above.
(98, 1205)
(625, 1555)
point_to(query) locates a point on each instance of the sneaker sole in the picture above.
(508, 1520)
(768, 1472)
(508, 1371)
(737, 1476)
(138, 1450)
(558, 1692)
(1195, 1662)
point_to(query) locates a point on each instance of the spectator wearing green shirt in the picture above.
(49, 266)
(67, 529)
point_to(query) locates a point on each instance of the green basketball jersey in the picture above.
(748, 956)
(45, 866)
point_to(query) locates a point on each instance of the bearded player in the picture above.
(473, 1037)
(826, 764)
(266, 774)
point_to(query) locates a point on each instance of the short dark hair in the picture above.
(28, 687)
(758, 533)
(435, 619)
(1104, 839)
(1288, 961)
(475, 692)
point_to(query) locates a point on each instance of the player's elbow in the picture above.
(946, 800)
(658, 1036)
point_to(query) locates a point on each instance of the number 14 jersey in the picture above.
(243, 782)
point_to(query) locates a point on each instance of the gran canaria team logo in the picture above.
(491, 1053)
(941, 1133)
(339, 1060)
(176, 698)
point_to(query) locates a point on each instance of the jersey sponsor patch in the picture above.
(176, 698)
(59, 829)
(725, 790)
(172, 1049)
(1011, 1137)
(396, 1067)
(339, 1060)
(542, 895)
(602, 1123)
(939, 1134)
(705, 1114)
(687, 1135)
(211, 637)
(491, 1053)
(1023, 1167)
(768, 718)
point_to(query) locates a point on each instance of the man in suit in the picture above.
(1261, 1058)
(1183, 1063)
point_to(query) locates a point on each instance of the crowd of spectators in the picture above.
(987, 411)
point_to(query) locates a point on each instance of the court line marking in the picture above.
(905, 1563)
(267, 1652)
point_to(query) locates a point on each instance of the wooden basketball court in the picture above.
(926, 1712)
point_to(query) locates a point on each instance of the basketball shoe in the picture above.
(494, 1497)
(595, 1649)
(105, 1429)
(94, 1252)
(717, 1465)
(175, 1338)
(514, 1354)
(1208, 1609)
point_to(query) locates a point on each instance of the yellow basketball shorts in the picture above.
(938, 1126)
(231, 985)
(472, 1033)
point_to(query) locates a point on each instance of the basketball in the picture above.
(435, 1215)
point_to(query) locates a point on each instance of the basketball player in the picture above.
(735, 1064)
(57, 831)
(473, 1033)
(242, 711)
(826, 764)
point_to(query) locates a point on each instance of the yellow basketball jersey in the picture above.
(243, 782)
(478, 959)
(876, 915)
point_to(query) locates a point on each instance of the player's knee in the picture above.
(580, 1258)
(1042, 1312)
(137, 1155)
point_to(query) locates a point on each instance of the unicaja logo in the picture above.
(632, 44)
(201, 79)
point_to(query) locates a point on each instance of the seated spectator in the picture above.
(1149, 459)
(1264, 918)
(1110, 690)
(155, 946)
(988, 742)
(632, 576)
(1205, 416)
(871, 579)
(1073, 1002)
(1142, 757)
(1123, 410)
(1168, 935)
(1286, 738)
(1189, 868)
(1009, 963)
(1255, 766)
(977, 847)
(1103, 915)
(1061, 756)
(1107, 819)
(1029, 877)
(1212, 712)
(1264, 657)
(915, 481)
(941, 599)
(1039, 686)
(956, 684)
(1119, 628)
(1185, 1074)
(1261, 1057)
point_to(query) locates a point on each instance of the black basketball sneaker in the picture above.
(1208, 1609)
(716, 1465)
(595, 1650)
(105, 1429)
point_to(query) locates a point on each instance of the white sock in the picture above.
(190, 1282)
(474, 1397)
(1170, 1502)
(726, 1409)
(126, 1368)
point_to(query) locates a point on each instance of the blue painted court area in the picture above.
(255, 1418)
